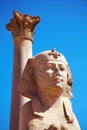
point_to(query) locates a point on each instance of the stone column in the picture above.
(22, 27)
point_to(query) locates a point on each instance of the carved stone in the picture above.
(22, 25)
(47, 81)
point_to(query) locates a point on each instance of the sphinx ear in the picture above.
(26, 84)
(68, 91)
(69, 76)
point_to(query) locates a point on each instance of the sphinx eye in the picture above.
(49, 66)
(62, 67)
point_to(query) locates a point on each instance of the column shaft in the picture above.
(22, 52)
(22, 27)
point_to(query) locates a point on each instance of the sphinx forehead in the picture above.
(46, 56)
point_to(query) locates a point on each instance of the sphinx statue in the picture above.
(47, 82)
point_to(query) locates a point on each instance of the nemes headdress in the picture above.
(27, 85)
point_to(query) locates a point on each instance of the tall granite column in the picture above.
(22, 27)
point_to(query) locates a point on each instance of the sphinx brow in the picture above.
(61, 65)
(50, 64)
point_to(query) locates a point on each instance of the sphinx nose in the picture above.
(57, 71)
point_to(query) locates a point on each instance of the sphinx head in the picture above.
(47, 72)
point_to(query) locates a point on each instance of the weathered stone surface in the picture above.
(22, 25)
(47, 81)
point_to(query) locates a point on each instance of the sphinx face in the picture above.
(51, 77)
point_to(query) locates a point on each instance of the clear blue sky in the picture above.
(63, 26)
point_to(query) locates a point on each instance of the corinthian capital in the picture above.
(22, 25)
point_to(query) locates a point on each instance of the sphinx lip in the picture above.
(57, 78)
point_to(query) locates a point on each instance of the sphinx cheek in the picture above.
(49, 72)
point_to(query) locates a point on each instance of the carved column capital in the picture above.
(22, 25)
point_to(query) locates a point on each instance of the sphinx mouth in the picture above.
(58, 79)
(58, 82)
